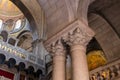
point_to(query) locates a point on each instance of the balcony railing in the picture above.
(21, 53)
(110, 71)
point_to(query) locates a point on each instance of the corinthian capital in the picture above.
(57, 49)
(78, 36)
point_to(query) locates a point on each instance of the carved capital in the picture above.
(57, 49)
(78, 36)
(75, 33)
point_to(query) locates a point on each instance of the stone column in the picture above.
(59, 61)
(38, 49)
(77, 40)
(35, 46)
(16, 42)
(7, 39)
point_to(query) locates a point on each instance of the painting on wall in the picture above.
(96, 59)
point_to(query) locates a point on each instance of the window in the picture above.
(18, 25)
(1, 22)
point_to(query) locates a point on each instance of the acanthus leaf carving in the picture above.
(77, 37)
(57, 49)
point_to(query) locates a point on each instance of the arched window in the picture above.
(1, 22)
(18, 24)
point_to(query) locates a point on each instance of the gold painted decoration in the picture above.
(96, 59)
(7, 8)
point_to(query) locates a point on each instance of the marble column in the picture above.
(59, 61)
(77, 40)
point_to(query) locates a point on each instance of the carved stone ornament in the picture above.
(77, 37)
(76, 33)
(57, 49)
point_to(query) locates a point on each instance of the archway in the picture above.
(104, 32)
(34, 14)
(25, 40)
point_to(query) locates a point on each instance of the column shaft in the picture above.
(59, 61)
(79, 63)
(59, 68)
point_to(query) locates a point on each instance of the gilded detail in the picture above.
(96, 59)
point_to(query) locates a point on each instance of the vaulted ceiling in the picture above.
(104, 19)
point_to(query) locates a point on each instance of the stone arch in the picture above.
(21, 66)
(23, 33)
(33, 13)
(30, 70)
(104, 32)
(25, 40)
(82, 10)
(11, 63)
(38, 73)
(2, 58)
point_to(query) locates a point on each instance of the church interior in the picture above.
(59, 40)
